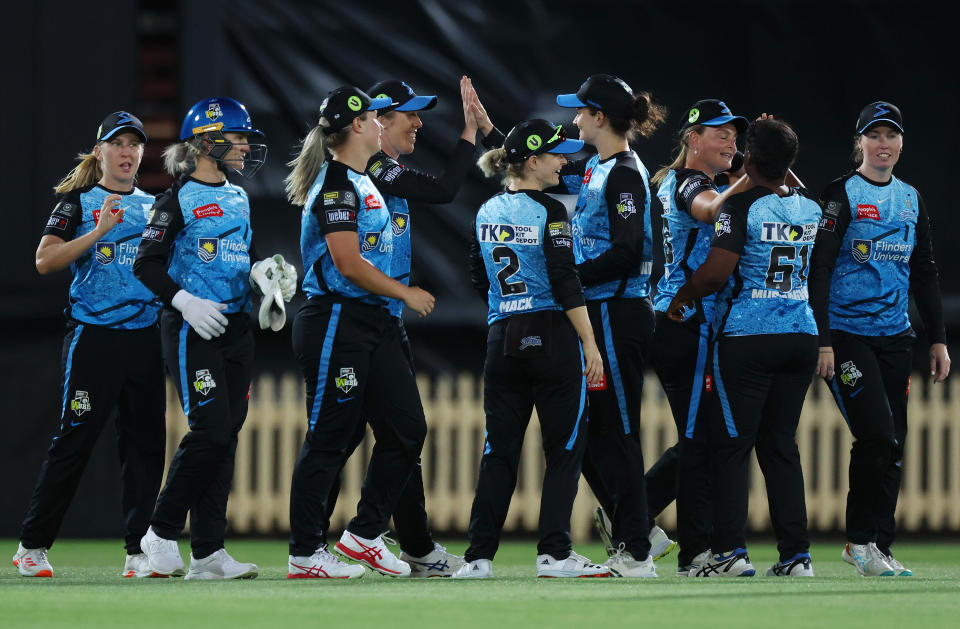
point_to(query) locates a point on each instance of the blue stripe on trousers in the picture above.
(724, 403)
(324, 365)
(614, 367)
(66, 372)
(697, 382)
(583, 401)
(182, 358)
(835, 389)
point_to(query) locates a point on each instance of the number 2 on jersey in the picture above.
(503, 253)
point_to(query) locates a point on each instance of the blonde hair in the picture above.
(181, 157)
(681, 159)
(310, 159)
(86, 173)
(494, 163)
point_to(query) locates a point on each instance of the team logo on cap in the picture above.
(354, 103)
(204, 382)
(881, 110)
(369, 242)
(399, 222)
(693, 116)
(105, 252)
(213, 111)
(207, 248)
(534, 142)
(80, 403)
(861, 249)
(381, 95)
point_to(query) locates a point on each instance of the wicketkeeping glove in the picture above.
(265, 279)
(288, 277)
(203, 315)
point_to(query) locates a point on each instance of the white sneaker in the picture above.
(797, 566)
(605, 529)
(734, 563)
(322, 564)
(476, 569)
(699, 561)
(436, 563)
(139, 566)
(163, 554)
(574, 566)
(32, 562)
(219, 566)
(867, 559)
(372, 552)
(622, 564)
(660, 544)
(899, 568)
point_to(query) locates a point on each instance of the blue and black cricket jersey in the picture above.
(342, 199)
(522, 255)
(199, 239)
(104, 290)
(774, 237)
(873, 246)
(686, 240)
(398, 185)
(612, 240)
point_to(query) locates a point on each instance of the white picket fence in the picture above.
(273, 433)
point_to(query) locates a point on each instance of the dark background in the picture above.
(68, 64)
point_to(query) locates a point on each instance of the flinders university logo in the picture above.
(861, 249)
(105, 252)
(207, 248)
(399, 222)
(370, 240)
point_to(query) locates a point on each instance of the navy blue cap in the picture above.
(120, 121)
(535, 137)
(345, 103)
(604, 92)
(402, 96)
(879, 112)
(711, 112)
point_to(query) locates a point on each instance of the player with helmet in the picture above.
(111, 350)
(522, 263)
(196, 254)
(348, 344)
(613, 246)
(873, 247)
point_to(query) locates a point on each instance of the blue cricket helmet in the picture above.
(217, 114)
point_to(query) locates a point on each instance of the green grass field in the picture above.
(87, 592)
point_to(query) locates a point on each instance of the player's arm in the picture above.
(701, 199)
(58, 248)
(478, 271)
(729, 238)
(925, 284)
(392, 177)
(626, 196)
(156, 242)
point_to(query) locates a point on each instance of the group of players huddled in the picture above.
(763, 286)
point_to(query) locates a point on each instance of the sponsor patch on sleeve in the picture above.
(828, 224)
(65, 208)
(391, 173)
(626, 208)
(561, 242)
(153, 233)
(832, 208)
(57, 222)
(340, 198)
(560, 228)
(340, 216)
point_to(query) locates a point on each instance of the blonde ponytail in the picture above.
(494, 163)
(181, 158)
(681, 159)
(313, 154)
(86, 173)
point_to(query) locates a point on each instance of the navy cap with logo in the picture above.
(604, 92)
(402, 96)
(711, 112)
(879, 112)
(345, 103)
(118, 122)
(535, 137)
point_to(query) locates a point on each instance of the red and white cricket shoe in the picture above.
(372, 552)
